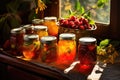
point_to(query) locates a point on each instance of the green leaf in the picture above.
(101, 3)
(104, 43)
(77, 5)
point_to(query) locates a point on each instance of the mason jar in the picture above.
(31, 46)
(16, 40)
(29, 29)
(48, 49)
(87, 54)
(51, 23)
(41, 30)
(66, 49)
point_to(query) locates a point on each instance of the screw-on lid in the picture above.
(17, 30)
(37, 21)
(41, 27)
(48, 39)
(50, 19)
(67, 36)
(31, 37)
(87, 40)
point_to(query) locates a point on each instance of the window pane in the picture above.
(99, 14)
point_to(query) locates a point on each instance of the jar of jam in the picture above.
(37, 22)
(51, 23)
(48, 49)
(16, 40)
(66, 49)
(29, 29)
(41, 30)
(31, 46)
(86, 54)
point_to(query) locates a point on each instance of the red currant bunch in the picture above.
(75, 23)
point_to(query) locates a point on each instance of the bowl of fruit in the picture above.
(79, 26)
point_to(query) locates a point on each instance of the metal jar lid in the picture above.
(31, 37)
(37, 21)
(27, 26)
(48, 39)
(67, 36)
(50, 19)
(41, 27)
(17, 30)
(87, 40)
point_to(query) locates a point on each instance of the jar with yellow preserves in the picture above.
(66, 49)
(41, 30)
(51, 23)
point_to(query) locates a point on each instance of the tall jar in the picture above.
(48, 49)
(86, 54)
(41, 30)
(16, 41)
(66, 49)
(31, 46)
(51, 23)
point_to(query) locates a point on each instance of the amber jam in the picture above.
(41, 31)
(31, 46)
(29, 29)
(86, 54)
(66, 49)
(51, 23)
(16, 41)
(48, 49)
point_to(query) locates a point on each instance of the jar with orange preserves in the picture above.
(51, 23)
(31, 46)
(66, 49)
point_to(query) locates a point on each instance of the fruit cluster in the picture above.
(75, 23)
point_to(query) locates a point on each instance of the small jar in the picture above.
(16, 41)
(48, 49)
(41, 31)
(66, 49)
(37, 22)
(51, 23)
(31, 46)
(29, 29)
(87, 54)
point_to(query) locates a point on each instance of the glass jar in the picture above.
(29, 29)
(66, 49)
(16, 41)
(41, 31)
(37, 22)
(31, 46)
(48, 49)
(86, 54)
(51, 23)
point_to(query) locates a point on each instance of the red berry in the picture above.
(73, 18)
(81, 27)
(71, 24)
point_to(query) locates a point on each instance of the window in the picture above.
(99, 15)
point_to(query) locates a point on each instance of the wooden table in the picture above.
(36, 69)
